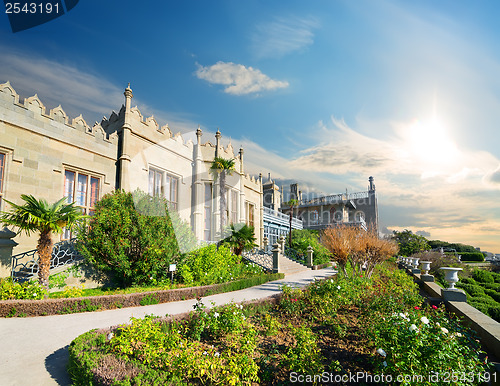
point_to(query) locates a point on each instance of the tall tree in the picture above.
(410, 243)
(222, 167)
(293, 203)
(39, 216)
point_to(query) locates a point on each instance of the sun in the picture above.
(431, 146)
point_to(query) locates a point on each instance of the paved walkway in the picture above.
(34, 351)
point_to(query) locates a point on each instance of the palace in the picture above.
(48, 155)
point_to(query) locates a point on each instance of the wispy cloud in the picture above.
(283, 35)
(77, 90)
(238, 79)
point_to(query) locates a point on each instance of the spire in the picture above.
(217, 142)
(199, 133)
(371, 187)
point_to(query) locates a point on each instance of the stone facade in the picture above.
(50, 156)
(355, 209)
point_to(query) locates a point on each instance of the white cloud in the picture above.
(238, 79)
(283, 36)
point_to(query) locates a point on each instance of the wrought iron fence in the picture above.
(63, 253)
(263, 259)
(294, 255)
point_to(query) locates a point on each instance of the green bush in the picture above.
(483, 276)
(27, 290)
(212, 265)
(131, 237)
(471, 289)
(471, 256)
(302, 238)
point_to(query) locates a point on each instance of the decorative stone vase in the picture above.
(426, 266)
(414, 261)
(451, 275)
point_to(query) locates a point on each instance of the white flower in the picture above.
(217, 354)
(216, 314)
(384, 363)
(437, 324)
(381, 352)
(110, 336)
(205, 353)
(444, 330)
(338, 287)
(459, 335)
(413, 328)
(424, 320)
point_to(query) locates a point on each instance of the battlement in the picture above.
(36, 117)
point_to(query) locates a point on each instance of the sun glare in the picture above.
(431, 146)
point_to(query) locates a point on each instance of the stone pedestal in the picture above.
(6, 246)
(309, 259)
(415, 271)
(427, 278)
(276, 257)
(453, 295)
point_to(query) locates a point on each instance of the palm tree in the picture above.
(38, 216)
(241, 239)
(293, 203)
(222, 167)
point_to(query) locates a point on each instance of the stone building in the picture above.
(354, 209)
(46, 154)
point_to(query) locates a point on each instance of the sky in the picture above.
(323, 93)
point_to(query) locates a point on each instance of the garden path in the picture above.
(34, 351)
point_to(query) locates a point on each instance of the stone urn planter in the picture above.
(451, 275)
(414, 262)
(426, 266)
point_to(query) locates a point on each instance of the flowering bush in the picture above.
(424, 342)
(27, 290)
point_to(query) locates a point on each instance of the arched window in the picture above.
(314, 217)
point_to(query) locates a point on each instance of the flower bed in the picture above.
(333, 328)
(11, 308)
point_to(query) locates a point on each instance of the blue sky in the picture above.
(324, 92)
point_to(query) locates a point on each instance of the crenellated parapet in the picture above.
(33, 109)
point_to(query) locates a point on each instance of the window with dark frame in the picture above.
(207, 212)
(83, 190)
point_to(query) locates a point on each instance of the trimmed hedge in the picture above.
(11, 308)
(471, 256)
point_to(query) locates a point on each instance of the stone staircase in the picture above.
(289, 267)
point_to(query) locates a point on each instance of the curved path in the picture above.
(34, 351)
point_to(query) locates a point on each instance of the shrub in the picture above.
(27, 290)
(471, 289)
(209, 265)
(422, 342)
(471, 256)
(130, 236)
(302, 238)
(483, 276)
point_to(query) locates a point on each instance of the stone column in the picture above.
(265, 242)
(276, 257)
(199, 190)
(6, 246)
(309, 261)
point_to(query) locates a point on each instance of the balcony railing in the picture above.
(281, 218)
(333, 199)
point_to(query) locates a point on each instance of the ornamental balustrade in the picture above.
(262, 258)
(63, 253)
